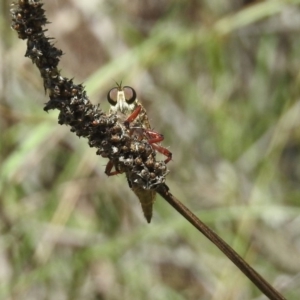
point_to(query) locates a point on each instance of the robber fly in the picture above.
(123, 102)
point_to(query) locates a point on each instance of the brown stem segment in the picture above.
(257, 279)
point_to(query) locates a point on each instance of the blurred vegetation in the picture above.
(220, 80)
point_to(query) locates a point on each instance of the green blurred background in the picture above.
(220, 80)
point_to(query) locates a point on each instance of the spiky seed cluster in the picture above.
(130, 154)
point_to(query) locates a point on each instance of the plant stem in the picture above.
(257, 279)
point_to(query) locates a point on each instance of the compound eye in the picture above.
(112, 96)
(130, 94)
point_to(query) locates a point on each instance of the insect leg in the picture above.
(163, 151)
(133, 115)
(109, 167)
(155, 137)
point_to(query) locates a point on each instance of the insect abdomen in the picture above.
(146, 198)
